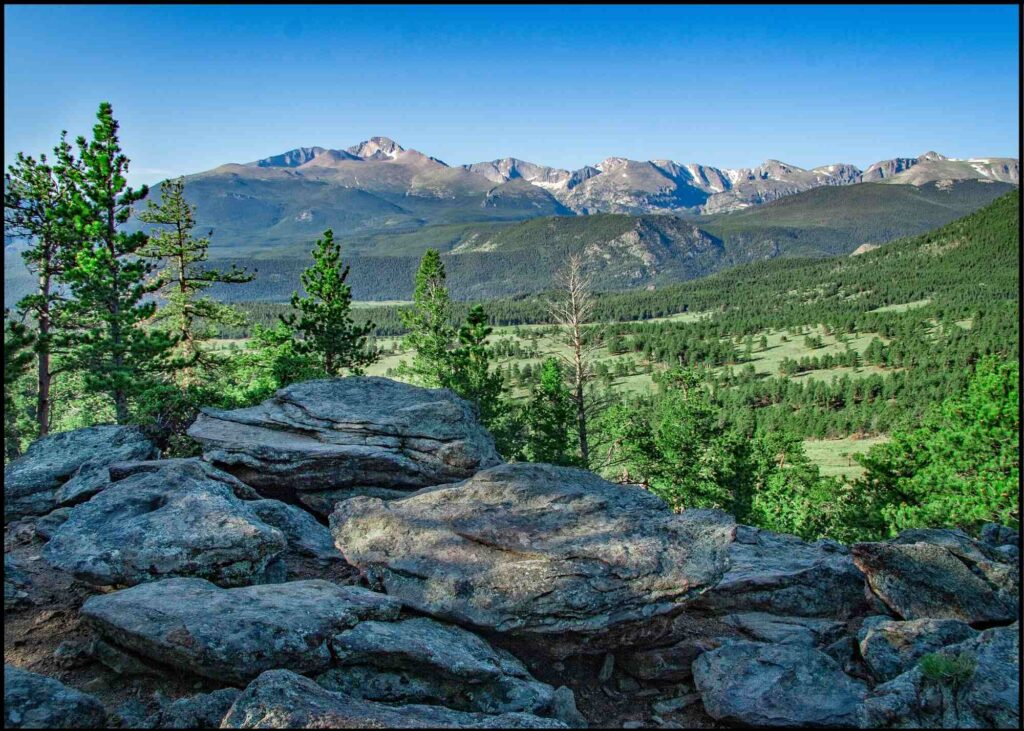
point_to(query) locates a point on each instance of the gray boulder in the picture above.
(48, 524)
(305, 536)
(941, 574)
(36, 701)
(422, 661)
(16, 585)
(175, 521)
(983, 693)
(890, 647)
(809, 631)
(234, 634)
(776, 685)
(283, 699)
(550, 554)
(345, 432)
(783, 575)
(32, 482)
(198, 468)
(998, 536)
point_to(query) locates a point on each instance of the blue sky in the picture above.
(194, 87)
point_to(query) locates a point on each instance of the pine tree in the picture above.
(325, 319)
(549, 417)
(18, 341)
(37, 208)
(109, 280)
(428, 321)
(473, 379)
(180, 256)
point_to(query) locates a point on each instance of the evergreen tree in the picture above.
(549, 416)
(109, 280)
(960, 466)
(429, 321)
(325, 314)
(18, 341)
(189, 315)
(37, 208)
(473, 378)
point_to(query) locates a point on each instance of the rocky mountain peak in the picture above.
(290, 159)
(377, 148)
(931, 156)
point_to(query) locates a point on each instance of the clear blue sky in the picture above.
(194, 87)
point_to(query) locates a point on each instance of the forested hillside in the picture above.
(496, 260)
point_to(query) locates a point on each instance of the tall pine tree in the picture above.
(473, 378)
(325, 314)
(189, 315)
(549, 417)
(429, 322)
(38, 208)
(109, 279)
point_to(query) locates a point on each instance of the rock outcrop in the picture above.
(535, 551)
(890, 647)
(36, 701)
(941, 574)
(234, 634)
(783, 575)
(787, 684)
(174, 521)
(62, 468)
(977, 687)
(346, 433)
(493, 589)
(422, 661)
(283, 699)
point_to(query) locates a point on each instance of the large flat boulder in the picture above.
(347, 432)
(171, 521)
(782, 575)
(788, 684)
(545, 553)
(419, 660)
(283, 699)
(941, 574)
(974, 684)
(234, 634)
(32, 482)
(891, 647)
(36, 701)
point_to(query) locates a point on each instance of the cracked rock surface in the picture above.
(941, 574)
(553, 553)
(344, 432)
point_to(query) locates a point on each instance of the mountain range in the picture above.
(504, 225)
(378, 186)
(615, 185)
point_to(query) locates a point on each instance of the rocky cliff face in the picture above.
(451, 590)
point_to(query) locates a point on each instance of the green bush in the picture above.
(948, 669)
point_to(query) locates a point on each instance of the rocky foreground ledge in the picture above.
(353, 553)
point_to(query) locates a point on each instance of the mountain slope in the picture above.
(627, 252)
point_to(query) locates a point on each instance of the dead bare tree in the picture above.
(571, 309)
